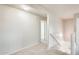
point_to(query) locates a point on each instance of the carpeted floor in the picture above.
(40, 49)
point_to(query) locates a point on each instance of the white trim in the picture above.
(21, 49)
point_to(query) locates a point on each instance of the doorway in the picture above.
(68, 30)
(43, 24)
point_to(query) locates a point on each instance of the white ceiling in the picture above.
(35, 9)
(63, 10)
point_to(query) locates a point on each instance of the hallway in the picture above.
(39, 49)
(23, 26)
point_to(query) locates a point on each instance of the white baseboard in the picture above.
(21, 49)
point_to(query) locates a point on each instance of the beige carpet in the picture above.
(40, 49)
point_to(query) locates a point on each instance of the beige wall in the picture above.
(68, 28)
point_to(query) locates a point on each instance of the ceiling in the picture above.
(34, 9)
(64, 11)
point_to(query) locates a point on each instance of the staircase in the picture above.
(59, 44)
